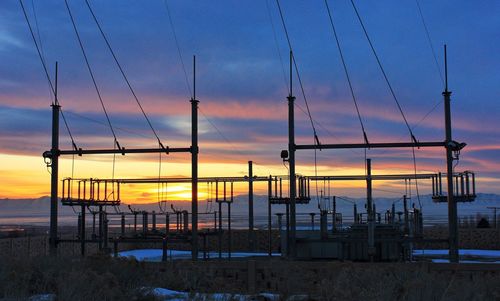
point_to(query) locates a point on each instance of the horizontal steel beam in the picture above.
(373, 177)
(188, 180)
(122, 151)
(175, 180)
(370, 145)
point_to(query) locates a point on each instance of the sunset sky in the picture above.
(242, 87)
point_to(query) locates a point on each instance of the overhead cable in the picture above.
(39, 49)
(344, 65)
(90, 71)
(383, 71)
(122, 72)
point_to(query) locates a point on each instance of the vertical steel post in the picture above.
(287, 226)
(229, 223)
(101, 225)
(355, 212)
(93, 225)
(452, 205)
(324, 224)
(164, 249)
(251, 234)
(219, 233)
(135, 222)
(79, 226)
(370, 212)
(393, 213)
(405, 210)
(178, 222)
(280, 225)
(280, 218)
(215, 220)
(82, 232)
(269, 222)
(123, 224)
(167, 223)
(105, 232)
(54, 174)
(145, 223)
(312, 220)
(194, 167)
(334, 214)
(185, 218)
(291, 161)
(153, 219)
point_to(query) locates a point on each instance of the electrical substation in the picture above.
(373, 234)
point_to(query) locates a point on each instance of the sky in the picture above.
(242, 84)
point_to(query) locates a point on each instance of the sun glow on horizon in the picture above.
(27, 177)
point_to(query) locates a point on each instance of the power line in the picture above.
(429, 40)
(105, 125)
(91, 72)
(382, 70)
(39, 50)
(122, 72)
(286, 82)
(346, 71)
(38, 31)
(277, 45)
(292, 60)
(298, 73)
(393, 95)
(188, 86)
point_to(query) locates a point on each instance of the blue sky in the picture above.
(240, 80)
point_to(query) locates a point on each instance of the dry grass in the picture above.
(104, 278)
(93, 278)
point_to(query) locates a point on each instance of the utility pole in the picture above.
(452, 205)
(194, 168)
(334, 214)
(291, 162)
(269, 221)
(405, 209)
(370, 211)
(54, 174)
(251, 234)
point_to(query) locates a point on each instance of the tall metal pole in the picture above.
(251, 234)
(229, 242)
(269, 222)
(54, 175)
(105, 231)
(219, 233)
(370, 211)
(405, 209)
(452, 205)
(101, 225)
(194, 167)
(291, 161)
(334, 214)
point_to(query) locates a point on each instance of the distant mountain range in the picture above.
(17, 210)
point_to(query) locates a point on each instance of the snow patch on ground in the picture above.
(43, 297)
(156, 254)
(439, 260)
(466, 255)
(171, 295)
(461, 252)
